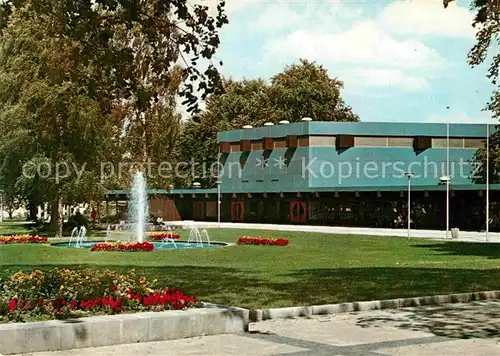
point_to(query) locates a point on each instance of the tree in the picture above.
(186, 29)
(12, 203)
(306, 90)
(301, 90)
(66, 71)
(487, 21)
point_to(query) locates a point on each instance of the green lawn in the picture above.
(13, 227)
(314, 269)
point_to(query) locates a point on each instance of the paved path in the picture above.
(465, 329)
(471, 236)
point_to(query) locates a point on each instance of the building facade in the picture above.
(351, 174)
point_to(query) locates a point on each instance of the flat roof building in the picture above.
(338, 173)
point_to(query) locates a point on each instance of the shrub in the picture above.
(22, 239)
(76, 220)
(64, 292)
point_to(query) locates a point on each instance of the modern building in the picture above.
(351, 174)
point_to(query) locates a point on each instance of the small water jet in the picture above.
(138, 207)
(78, 235)
(195, 236)
(168, 239)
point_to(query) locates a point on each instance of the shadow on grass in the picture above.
(489, 250)
(473, 320)
(244, 288)
(324, 286)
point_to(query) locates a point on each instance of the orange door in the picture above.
(237, 210)
(298, 212)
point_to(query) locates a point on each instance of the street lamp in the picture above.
(446, 180)
(218, 202)
(487, 180)
(409, 175)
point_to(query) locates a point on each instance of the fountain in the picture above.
(108, 233)
(138, 207)
(195, 236)
(78, 234)
(168, 238)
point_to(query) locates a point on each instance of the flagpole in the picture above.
(447, 179)
(487, 180)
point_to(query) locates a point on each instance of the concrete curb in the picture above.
(18, 338)
(266, 314)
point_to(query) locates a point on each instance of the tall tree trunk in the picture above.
(55, 216)
(32, 210)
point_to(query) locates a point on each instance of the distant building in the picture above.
(350, 174)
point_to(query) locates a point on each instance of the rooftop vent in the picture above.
(247, 126)
(283, 122)
(268, 124)
(306, 119)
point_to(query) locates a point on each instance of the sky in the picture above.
(400, 61)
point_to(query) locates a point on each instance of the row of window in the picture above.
(367, 141)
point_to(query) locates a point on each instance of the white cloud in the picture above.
(275, 17)
(372, 78)
(462, 118)
(363, 44)
(385, 50)
(324, 15)
(427, 18)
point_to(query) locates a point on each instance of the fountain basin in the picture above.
(157, 244)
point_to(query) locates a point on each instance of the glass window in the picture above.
(235, 146)
(256, 146)
(280, 143)
(454, 142)
(370, 141)
(322, 141)
(400, 142)
(474, 143)
(303, 141)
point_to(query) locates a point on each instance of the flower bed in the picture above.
(159, 236)
(124, 246)
(22, 239)
(248, 240)
(60, 293)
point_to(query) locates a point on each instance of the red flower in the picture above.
(138, 246)
(114, 288)
(158, 236)
(247, 240)
(12, 304)
(22, 239)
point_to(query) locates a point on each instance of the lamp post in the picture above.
(218, 203)
(409, 175)
(448, 179)
(487, 180)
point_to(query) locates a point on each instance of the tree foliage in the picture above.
(487, 23)
(306, 90)
(301, 90)
(73, 73)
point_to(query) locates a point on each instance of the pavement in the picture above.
(468, 236)
(459, 329)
